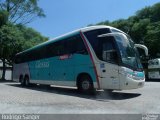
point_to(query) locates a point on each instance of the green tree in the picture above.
(139, 30)
(31, 36)
(21, 11)
(144, 13)
(155, 13)
(16, 38)
(121, 24)
(11, 41)
(3, 17)
(153, 39)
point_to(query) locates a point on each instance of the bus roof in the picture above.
(85, 29)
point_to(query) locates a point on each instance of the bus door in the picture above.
(109, 64)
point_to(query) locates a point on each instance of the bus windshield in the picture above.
(128, 52)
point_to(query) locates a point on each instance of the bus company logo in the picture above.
(66, 56)
(40, 64)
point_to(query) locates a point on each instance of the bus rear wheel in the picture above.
(85, 84)
(21, 79)
(26, 79)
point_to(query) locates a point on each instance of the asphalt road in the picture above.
(55, 100)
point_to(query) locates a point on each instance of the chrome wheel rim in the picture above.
(85, 85)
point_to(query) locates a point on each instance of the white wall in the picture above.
(8, 75)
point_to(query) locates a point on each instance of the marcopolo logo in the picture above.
(20, 117)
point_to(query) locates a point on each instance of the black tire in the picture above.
(108, 91)
(85, 84)
(21, 79)
(26, 80)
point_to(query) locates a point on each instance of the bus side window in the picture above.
(92, 37)
(75, 45)
(109, 53)
(80, 46)
(60, 48)
(69, 45)
(55, 49)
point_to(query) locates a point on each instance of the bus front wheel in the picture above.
(85, 84)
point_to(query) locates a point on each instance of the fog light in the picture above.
(126, 83)
(140, 84)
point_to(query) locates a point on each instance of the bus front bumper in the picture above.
(132, 84)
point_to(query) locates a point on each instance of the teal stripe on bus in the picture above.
(61, 70)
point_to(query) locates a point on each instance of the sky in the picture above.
(64, 16)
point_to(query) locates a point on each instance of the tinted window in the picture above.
(69, 45)
(108, 52)
(93, 38)
(75, 45)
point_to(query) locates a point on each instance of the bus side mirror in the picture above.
(142, 47)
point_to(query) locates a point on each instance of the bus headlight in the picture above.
(135, 76)
(129, 75)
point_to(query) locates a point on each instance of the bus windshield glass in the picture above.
(128, 52)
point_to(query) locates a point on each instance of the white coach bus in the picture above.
(96, 57)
